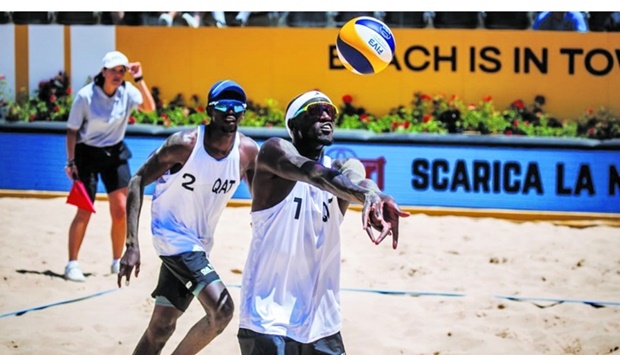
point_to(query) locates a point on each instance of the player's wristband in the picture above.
(70, 163)
(138, 79)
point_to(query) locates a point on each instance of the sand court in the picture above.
(445, 290)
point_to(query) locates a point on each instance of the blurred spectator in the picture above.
(561, 21)
(241, 19)
(191, 19)
(120, 18)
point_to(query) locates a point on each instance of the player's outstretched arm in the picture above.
(279, 157)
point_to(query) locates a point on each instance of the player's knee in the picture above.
(161, 331)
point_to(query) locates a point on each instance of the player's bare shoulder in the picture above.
(179, 145)
(248, 148)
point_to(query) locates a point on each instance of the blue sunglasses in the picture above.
(227, 105)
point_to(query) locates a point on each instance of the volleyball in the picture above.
(365, 45)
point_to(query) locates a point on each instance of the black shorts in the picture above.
(109, 162)
(253, 343)
(179, 276)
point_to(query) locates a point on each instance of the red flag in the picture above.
(79, 197)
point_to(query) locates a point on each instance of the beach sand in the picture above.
(443, 291)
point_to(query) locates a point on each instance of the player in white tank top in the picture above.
(290, 293)
(197, 171)
(187, 204)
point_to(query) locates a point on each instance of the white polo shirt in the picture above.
(101, 120)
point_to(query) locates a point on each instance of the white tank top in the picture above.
(291, 281)
(187, 204)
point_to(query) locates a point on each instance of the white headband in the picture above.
(301, 101)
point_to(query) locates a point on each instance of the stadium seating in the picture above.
(405, 19)
(506, 20)
(456, 20)
(77, 18)
(30, 18)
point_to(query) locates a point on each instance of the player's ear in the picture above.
(209, 110)
(291, 125)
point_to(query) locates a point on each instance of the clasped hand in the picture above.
(382, 213)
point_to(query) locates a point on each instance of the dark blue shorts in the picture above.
(179, 276)
(253, 343)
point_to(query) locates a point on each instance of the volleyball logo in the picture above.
(365, 45)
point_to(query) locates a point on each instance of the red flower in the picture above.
(269, 125)
(69, 91)
(165, 116)
(200, 109)
(406, 124)
(347, 99)
(205, 121)
(519, 104)
(56, 109)
(132, 120)
(53, 98)
(425, 97)
(515, 123)
(591, 131)
(487, 98)
(394, 125)
(590, 111)
(527, 124)
(364, 118)
(509, 133)
(427, 118)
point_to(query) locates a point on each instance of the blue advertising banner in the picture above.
(498, 177)
(439, 174)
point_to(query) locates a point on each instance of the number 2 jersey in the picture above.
(188, 204)
(291, 280)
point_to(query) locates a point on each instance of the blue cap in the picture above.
(226, 89)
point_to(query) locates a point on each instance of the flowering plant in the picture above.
(52, 102)
(439, 114)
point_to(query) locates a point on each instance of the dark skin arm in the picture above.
(249, 151)
(280, 166)
(174, 151)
